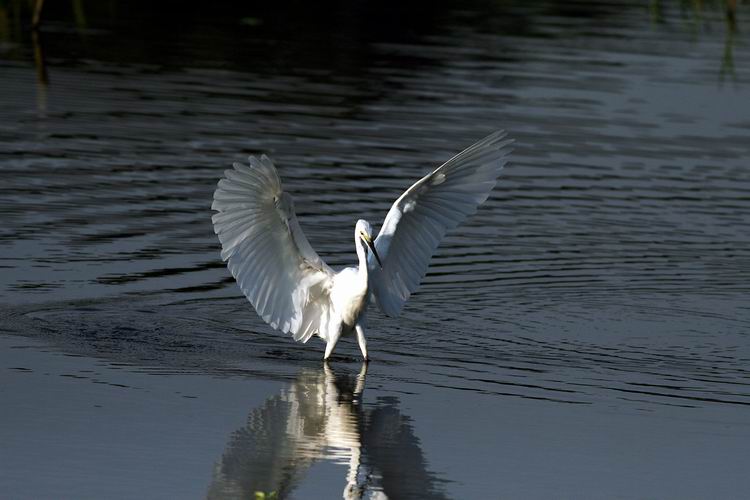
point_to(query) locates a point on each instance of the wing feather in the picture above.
(420, 217)
(268, 254)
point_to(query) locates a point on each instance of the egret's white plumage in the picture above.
(288, 283)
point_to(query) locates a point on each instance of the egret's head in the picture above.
(363, 232)
(363, 227)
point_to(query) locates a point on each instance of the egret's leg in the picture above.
(331, 344)
(362, 341)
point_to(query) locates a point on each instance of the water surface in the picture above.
(584, 335)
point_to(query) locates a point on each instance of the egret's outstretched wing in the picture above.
(268, 254)
(418, 220)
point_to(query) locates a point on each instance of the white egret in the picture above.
(291, 287)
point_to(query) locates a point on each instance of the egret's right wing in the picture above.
(420, 217)
(267, 252)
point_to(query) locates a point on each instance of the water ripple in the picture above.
(611, 264)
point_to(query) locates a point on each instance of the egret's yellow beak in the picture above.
(368, 240)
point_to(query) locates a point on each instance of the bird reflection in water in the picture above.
(321, 417)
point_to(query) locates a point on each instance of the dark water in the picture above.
(586, 335)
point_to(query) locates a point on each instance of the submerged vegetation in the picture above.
(698, 17)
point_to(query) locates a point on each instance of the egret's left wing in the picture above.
(420, 217)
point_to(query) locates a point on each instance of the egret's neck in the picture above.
(362, 254)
